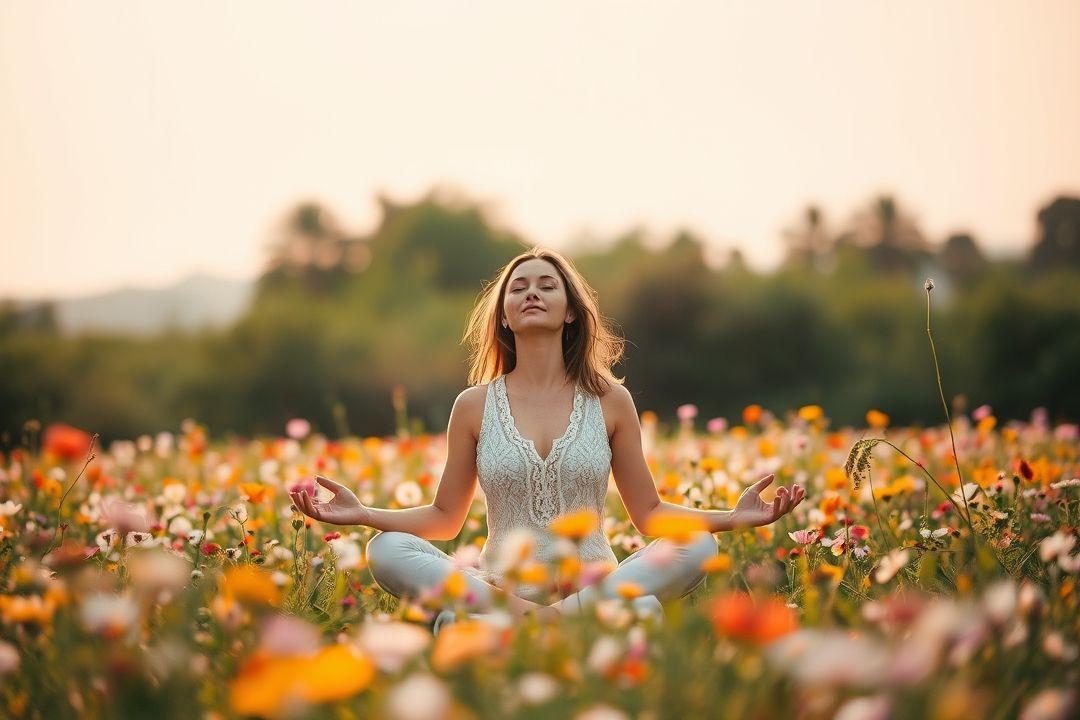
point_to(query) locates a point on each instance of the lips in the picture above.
(532, 307)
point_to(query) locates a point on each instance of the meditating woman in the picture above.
(542, 426)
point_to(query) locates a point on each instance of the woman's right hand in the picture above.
(342, 509)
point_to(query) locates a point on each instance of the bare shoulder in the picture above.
(619, 408)
(469, 407)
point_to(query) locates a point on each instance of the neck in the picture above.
(540, 364)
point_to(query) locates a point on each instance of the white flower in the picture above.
(537, 688)
(156, 569)
(9, 508)
(890, 565)
(605, 652)
(9, 658)
(108, 614)
(601, 712)
(408, 494)
(392, 644)
(347, 554)
(418, 697)
(1057, 544)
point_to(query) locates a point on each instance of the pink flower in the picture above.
(716, 425)
(306, 483)
(686, 412)
(297, 428)
(981, 412)
(805, 536)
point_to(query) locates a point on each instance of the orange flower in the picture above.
(65, 441)
(460, 642)
(255, 492)
(245, 582)
(27, 610)
(629, 590)
(717, 563)
(811, 413)
(736, 615)
(751, 414)
(576, 525)
(877, 419)
(268, 684)
(674, 526)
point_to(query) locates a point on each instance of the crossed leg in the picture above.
(405, 565)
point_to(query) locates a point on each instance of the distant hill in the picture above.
(193, 303)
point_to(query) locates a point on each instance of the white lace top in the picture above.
(524, 490)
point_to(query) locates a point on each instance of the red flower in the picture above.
(210, 548)
(66, 441)
(331, 536)
(1025, 470)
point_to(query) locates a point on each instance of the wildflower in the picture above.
(9, 658)
(392, 644)
(1060, 543)
(720, 562)
(247, 583)
(676, 527)
(1040, 517)
(297, 428)
(536, 688)
(269, 684)
(716, 425)
(1025, 470)
(408, 494)
(108, 615)
(805, 536)
(890, 565)
(66, 442)
(419, 697)
(751, 414)
(928, 285)
(157, 570)
(811, 413)
(462, 641)
(629, 590)
(736, 615)
(576, 526)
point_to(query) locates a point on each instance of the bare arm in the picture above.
(443, 518)
(638, 490)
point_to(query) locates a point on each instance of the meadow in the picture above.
(168, 576)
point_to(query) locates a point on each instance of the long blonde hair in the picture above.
(590, 345)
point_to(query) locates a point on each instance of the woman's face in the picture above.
(535, 298)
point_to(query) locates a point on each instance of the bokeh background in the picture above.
(248, 213)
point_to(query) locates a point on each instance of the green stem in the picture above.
(60, 507)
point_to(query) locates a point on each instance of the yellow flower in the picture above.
(877, 419)
(455, 584)
(27, 609)
(766, 447)
(709, 464)
(676, 527)
(811, 413)
(835, 478)
(629, 590)
(717, 563)
(532, 573)
(576, 525)
(462, 641)
(829, 573)
(246, 583)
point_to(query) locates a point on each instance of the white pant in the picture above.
(405, 565)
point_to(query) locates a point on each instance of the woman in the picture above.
(542, 426)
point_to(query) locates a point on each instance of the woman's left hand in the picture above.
(752, 511)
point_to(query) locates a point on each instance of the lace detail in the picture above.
(525, 491)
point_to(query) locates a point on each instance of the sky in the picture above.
(142, 142)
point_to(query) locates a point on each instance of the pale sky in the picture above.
(142, 141)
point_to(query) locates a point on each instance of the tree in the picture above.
(892, 238)
(1059, 235)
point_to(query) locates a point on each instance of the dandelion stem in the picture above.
(59, 508)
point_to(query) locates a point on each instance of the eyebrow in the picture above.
(542, 277)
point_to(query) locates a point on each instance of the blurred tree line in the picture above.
(339, 320)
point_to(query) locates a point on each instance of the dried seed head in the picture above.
(929, 284)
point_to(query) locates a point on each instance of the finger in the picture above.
(309, 505)
(763, 483)
(334, 487)
(776, 508)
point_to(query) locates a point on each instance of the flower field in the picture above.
(170, 577)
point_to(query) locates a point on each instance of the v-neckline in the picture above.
(505, 397)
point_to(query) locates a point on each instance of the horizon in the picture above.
(132, 162)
